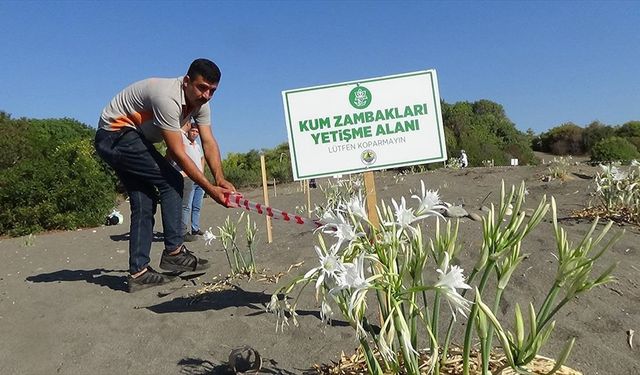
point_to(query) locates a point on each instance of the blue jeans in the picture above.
(196, 204)
(148, 177)
(191, 205)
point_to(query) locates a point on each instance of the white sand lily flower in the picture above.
(326, 313)
(449, 280)
(405, 216)
(330, 266)
(613, 171)
(208, 237)
(619, 175)
(352, 278)
(429, 201)
(330, 220)
(356, 206)
(384, 348)
(346, 233)
(338, 227)
(283, 310)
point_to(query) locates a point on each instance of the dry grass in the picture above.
(356, 365)
(621, 216)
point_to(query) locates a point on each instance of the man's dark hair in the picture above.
(205, 68)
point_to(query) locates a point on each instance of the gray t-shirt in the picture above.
(151, 105)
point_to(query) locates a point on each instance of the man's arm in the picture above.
(212, 156)
(173, 139)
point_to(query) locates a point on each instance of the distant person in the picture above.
(464, 161)
(149, 112)
(193, 193)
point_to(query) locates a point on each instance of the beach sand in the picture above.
(64, 308)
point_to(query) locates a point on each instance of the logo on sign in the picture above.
(368, 157)
(360, 97)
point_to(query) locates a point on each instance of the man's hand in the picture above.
(219, 195)
(227, 185)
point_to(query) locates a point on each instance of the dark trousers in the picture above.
(148, 177)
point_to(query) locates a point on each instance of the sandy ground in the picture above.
(64, 309)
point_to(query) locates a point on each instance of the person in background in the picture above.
(196, 205)
(464, 161)
(147, 112)
(192, 199)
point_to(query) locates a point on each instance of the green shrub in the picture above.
(241, 177)
(566, 139)
(244, 170)
(278, 163)
(29, 139)
(614, 149)
(594, 133)
(68, 189)
(485, 132)
(629, 129)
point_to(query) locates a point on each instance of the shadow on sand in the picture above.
(197, 366)
(235, 297)
(98, 276)
(157, 237)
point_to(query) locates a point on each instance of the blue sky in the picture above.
(546, 62)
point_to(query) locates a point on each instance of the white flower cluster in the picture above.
(208, 237)
(341, 272)
(617, 188)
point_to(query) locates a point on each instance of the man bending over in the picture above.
(148, 112)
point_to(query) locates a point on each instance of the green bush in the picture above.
(629, 129)
(56, 182)
(278, 163)
(485, 132)
(594, 133)
(244, 170)
(566, 139)
(71, 189)
(614, 149)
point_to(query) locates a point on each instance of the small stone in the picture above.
(509, 210)
(455, 211)
(474, 216)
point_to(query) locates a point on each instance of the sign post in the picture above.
(372, 199)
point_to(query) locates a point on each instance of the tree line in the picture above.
(51, 178)
(602, 142)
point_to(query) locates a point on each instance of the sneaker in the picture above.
(183, 261)
(147, 279)
(190, 237)
(197, 232)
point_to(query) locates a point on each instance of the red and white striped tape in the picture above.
(238, 201)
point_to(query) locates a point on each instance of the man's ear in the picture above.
(185, 80)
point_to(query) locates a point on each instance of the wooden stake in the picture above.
(308, 198)
(372, 200)
(265, 194)
(275, 190)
